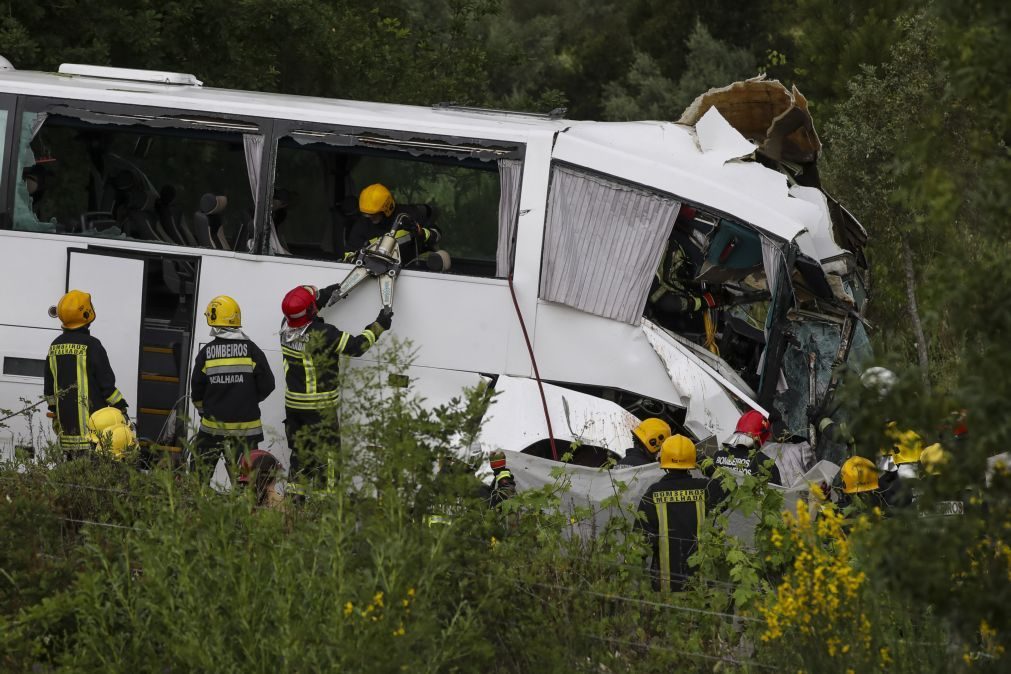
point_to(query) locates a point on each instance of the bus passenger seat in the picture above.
(207, 221)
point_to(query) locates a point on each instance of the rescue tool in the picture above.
(380, 260)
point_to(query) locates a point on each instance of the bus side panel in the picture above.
(18, 392)
(33, 277)
(456, 326)
(574, 346)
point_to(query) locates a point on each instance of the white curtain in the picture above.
(253, 146)
(509, 172)
(602, 243)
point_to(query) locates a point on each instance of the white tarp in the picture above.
(584, 487)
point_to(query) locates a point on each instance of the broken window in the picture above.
(602, 241)
(135, 177)
(469, 193)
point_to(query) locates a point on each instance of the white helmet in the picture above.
(880, 379)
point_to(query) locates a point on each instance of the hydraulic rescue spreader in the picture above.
(381, 260)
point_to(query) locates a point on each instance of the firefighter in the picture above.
(503, 484)
(79, 379)
(900, 466)
(379, 211)
(672, 511)
(741, 454)
(647, 438)
(262, 469)
(110, 434)
(675, 300)
(231, 377)
(860, 485)
(311, 350)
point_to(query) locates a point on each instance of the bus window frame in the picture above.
(8, 163)
(180, 118)
(394, 144)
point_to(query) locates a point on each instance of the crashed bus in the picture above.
(155, 194)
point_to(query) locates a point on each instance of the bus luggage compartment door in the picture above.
(116, 285)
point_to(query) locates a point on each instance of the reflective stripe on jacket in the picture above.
(78, 380)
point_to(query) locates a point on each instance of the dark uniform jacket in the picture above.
(312, 355)
(231, 377)
(364, 232)
(78, 381)
(744, 461)
(672, 512)
(636, 456)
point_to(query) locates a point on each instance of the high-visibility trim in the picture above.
(114, 397)
(247, 364)
(326, 401)
(295, 395)
(369, 336)
(82, 391)
(663, 549)
(231, 428)
(288, 351)
(68, 442)
(229, 369)
(343, 342)
(700, 515)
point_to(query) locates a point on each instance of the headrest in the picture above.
(211, 204)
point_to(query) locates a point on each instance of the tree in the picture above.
(645, 93)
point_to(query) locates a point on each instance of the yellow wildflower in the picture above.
(378, 599)
(348, 608)
(410, 592)
(400, 631)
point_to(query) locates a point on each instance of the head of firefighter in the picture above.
(678, 453)
(110, 434)
(376, 202)
(299, 305)
(223, 312)
(261, 470)
(75, 310)
(647, 438)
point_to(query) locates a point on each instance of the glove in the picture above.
(385, 318)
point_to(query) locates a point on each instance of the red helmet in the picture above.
(299, 305)
(256, 461)
(754, 424)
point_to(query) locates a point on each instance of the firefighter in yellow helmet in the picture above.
(231, 377)
(78, 378)
(110, 433)
(672, 512)
(860, 484)
(647, 438)
(416, 236)
(900, 466)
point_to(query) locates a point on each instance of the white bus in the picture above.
(110, 184)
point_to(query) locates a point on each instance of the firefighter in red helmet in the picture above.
(741, 454)
(311, 349)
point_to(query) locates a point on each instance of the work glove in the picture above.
(385, 318)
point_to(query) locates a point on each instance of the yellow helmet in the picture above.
(376, 199)
(117, 441)
(75, 309)
(859, 474)
(224, 312)
(104, 420)
(652, 432)
(678, 452)
(908, 444)
(933, 458)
